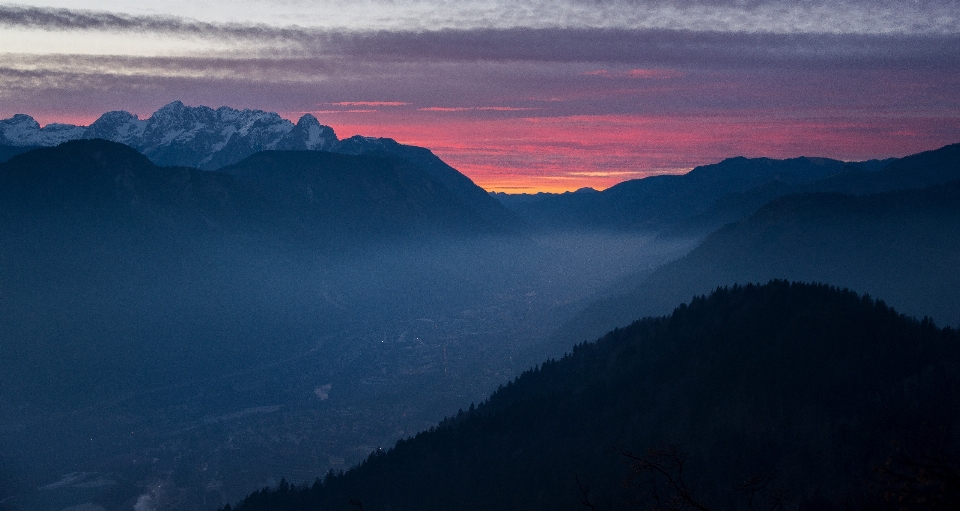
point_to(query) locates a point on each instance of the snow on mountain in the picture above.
(182, 135)
(309, 134)
(118, 126)
(23, 130)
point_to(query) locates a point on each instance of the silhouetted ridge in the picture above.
(106, 183)
(900, 245)
(813, 384)
(377, 192)
(711, 196)
(311, 197)
(910, 172)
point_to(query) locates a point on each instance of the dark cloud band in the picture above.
(69, 19)
(658, 47)
(655, 47)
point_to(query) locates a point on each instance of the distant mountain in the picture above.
(208, 139)
(371, 193)
(23, 130)
(95, 225)
(910, 172)
(179, 135)
(298, 195)
(99, 183)
(655, 202)
(710, 196)
(901, 245)
(801, 389)
(425, 161)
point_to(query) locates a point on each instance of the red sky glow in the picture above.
(543, 101)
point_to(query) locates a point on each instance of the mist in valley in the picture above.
(184, 375)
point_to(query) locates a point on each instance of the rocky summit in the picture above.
(182, 135)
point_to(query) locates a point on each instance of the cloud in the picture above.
(650, 44)
(58, 19)
(368, 103)
(648, 74)
(476, 109)
(655, 47)
(768, 16)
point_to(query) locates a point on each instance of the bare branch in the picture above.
(585, 492)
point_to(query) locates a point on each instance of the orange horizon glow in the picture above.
(566, 153)
(530, 154)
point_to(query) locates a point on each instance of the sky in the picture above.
(521, 96)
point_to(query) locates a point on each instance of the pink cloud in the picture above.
(645, 74)
(368, 103)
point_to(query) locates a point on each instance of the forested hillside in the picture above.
(786, 395)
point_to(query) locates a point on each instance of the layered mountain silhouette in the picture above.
(297, 194)
(206, 138)
(710, 196)
(650, 203)
(96, 234)
(802, 389)
(899, 245)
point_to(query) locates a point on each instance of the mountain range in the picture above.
(710, 196)
(181, 135)
(205, 277)
(97, 186)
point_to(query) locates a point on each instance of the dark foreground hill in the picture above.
(789, 392)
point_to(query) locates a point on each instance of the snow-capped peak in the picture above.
(178, 134)
(23, 130)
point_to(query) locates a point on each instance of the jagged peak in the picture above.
(115, 116)
(21, 120)
(308, 120)
(173, 106)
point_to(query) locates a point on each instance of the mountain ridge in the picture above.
(897, 244)
(709, 196)
(355, 196)
(180, 135)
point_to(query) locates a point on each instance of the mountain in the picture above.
(710, 196)
(911, 172)
(784, 393)
(901, 245)
(653, 202)
(427, 162)
(9, 151)
(23, 130)
(201, 137)
(96, 183)
(292, 195)
(371, 193)
(179, 135)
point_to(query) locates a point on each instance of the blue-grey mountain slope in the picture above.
(710, 196)
(901, 245)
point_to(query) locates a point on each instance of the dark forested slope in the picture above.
(805, 386)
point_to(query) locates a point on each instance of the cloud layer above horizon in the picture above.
(518, 95)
